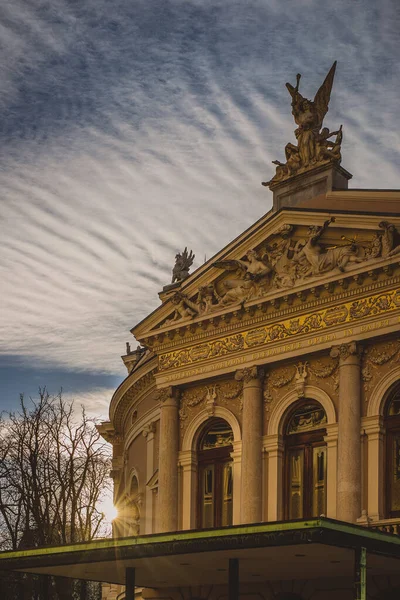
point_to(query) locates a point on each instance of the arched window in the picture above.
(305, 461)
(392, 423)
(215, 483)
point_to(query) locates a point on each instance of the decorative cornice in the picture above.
(252, 238)
(256, 312)
(318, 322)
(132, 395)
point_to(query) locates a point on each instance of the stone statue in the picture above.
(313, 145)
(207, 299)
(390, 239)
(250, 273)
(183, 262)
(313, 260)
(184, 308)
(282, 263)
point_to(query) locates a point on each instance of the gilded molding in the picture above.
(232, 321)
(318, 321)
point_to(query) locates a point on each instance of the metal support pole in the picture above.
(44, 587)
(130, 583)
(233, 585)
(360, 574)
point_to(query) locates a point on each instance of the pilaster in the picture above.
(251, 478)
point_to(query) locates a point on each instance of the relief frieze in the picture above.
(290, 257)
(317, 321)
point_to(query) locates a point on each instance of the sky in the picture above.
(133, 128)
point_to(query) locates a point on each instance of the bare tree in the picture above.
(54, 470)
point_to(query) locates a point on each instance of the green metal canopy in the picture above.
(309, 549)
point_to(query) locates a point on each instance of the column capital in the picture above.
(344, 351)
(168, 393)
(148, 430)
(249, 374)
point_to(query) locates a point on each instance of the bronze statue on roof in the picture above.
(313, 145)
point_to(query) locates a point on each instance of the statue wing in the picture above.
(231, 265)
(323, 95)
(187, 258)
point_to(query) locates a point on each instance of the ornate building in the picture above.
(257, 434)
(267, 383)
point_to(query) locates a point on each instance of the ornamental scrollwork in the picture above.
(375, 357)
(290, 328)
(221, 393)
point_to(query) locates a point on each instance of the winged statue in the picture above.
(183, 262)
(313, 144)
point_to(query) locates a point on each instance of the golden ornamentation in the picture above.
(289, 328)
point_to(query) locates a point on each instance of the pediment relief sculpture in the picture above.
(292, 256)
(314, 144)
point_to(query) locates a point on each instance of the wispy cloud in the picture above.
(129, 134)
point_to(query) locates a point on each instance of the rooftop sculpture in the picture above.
(183, 262)
(314, 146)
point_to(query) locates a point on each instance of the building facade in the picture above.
(266, 386)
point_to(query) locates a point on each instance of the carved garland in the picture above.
(298, 374)
(220, 393)
(375, 357)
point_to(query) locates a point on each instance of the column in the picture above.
(188, 464)
(148, 433)
(349, 438)
(251, 479)
(236, 456)
(331, 440)
(168, 461)
(273, 447)
(373, 427)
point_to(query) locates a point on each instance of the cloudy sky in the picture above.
(133, 128)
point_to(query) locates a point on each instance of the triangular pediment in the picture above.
(284, 254)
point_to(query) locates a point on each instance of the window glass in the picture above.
(215, 475)
(305, 462)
